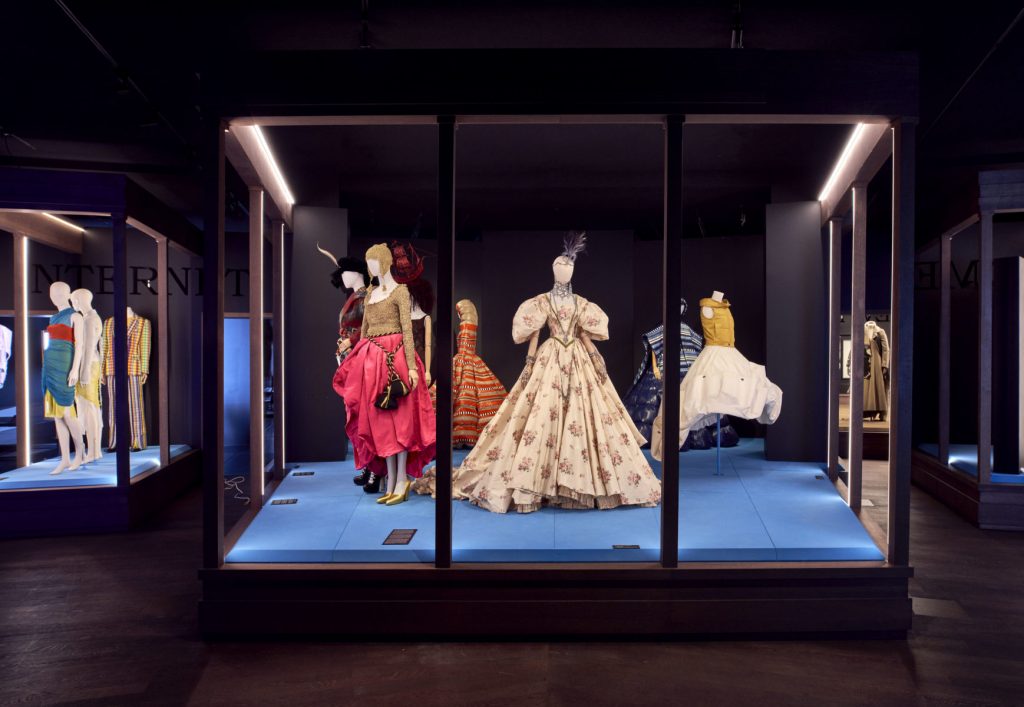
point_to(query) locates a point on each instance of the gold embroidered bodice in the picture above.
(719, 329)
(392, 315)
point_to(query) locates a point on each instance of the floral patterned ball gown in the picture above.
(562, 437)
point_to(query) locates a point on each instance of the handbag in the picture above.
(395, 388)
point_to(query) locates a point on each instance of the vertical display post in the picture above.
(23, 408)
(213, 348)
(277, 244)
(855, 458)
(945, 323)
(445, 348)
(672, 276)
(901, 344)
(985, 349)
(256, 416)
(122, 418)
(163, 336)
(835, 351)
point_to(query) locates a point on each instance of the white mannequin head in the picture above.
(81, 300)
(353, 280)
(563, 269)
(60, 295)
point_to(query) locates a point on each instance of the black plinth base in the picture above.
(988, 506)
(480, 601)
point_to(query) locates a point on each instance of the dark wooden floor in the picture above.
(112, 620)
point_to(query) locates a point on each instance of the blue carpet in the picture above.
(756, 511)
(98, 473)
(964, 458)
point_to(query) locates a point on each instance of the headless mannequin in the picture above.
(353, 281)
(563, 269)
(706, 311)
(92, 420)
(396, 462)
(68, 425)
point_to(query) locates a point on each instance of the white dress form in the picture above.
(88, 410)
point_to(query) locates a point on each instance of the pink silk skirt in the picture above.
(377, 434)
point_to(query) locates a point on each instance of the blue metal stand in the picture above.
(718, 444)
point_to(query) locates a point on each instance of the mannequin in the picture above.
(87, 392)
(562, 436)
(139, 345)
(644, 397)
(62, 361)
(721, 380)
(876, 372)
(351, 275)
(390, 421)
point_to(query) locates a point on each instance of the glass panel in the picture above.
(755, 267)
(557, 471)
(184, 303)
(356, 187)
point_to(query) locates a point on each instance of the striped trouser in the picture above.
(136, 412)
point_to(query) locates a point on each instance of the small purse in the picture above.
(395, 388)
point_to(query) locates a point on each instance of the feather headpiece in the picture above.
(574, 244)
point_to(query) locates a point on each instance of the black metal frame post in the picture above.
(213, 348)
(902, 343)
(123, 433)
(672, 274)
(445, 349)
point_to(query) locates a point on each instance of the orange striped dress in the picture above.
(477, 392)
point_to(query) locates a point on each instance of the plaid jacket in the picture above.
(138, 346)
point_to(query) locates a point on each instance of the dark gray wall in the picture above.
(796, 328)
(315, 415)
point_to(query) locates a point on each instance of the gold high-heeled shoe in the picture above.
(385, 497)
(397, 498)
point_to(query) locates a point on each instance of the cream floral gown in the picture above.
(561, 437)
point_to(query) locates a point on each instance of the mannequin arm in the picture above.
(404, 304)
(145, 344)
(654, 366)
(428, 329)
(531, 351)
(78, 324)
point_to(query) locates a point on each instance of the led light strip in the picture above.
(278, 175)
(843, 159)
(21, 327)
(64, 222)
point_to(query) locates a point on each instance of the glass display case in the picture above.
(969, 444)
(98, 433)
(498, 439)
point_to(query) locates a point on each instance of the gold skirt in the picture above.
(52, 409)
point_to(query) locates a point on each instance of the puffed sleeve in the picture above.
(529, 319)
(594, 321)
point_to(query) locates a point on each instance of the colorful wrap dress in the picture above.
(477, 392)
(57, 360)
(562, 437)
(386, 345)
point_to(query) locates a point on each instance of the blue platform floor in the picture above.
(964, 458)
(756, 511)
(98, 473)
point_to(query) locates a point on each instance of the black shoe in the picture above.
(363, 478)
(372, 486)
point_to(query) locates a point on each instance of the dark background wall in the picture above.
(796, 328)
(315, 414)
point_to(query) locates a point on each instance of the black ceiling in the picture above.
(114, 85)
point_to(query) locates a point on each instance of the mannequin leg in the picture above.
(63, 439)
(89, 416)
(401, 484)
(392, 477)
(75, 428)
